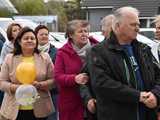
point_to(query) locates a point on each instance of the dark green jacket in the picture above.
(52, 52)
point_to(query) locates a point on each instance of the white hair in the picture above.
(106, 22)
(121, 12)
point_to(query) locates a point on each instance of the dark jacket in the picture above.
(52, 52)
(87, 93)
(115, 88)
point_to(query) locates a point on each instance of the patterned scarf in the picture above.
(82, 51)
(44, 48)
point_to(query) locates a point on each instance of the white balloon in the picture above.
(26, 95)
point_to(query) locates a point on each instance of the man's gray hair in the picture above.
(106, 21)
(120, 12)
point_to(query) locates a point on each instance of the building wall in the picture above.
(147, 8)
(95, 17)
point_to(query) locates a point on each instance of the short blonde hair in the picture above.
(157, 19)
(74, 24)
(106, 21)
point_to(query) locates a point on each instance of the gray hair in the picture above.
(157, 19)
(106, 21)
(120, 12)
(74, 24)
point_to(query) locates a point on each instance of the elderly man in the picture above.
(124, 78)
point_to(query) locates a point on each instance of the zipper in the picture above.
(127, 72)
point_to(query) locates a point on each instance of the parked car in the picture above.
(97, 35)
(148, 32)
(57, 39)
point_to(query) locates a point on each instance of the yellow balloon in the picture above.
(26, 72)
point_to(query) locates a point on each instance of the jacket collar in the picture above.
(68, 46)
(112, 42)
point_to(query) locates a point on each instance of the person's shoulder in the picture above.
(65, 46)
(42, 57)
(66, 49)
(143, 45)
(98, 46)
(93, 40)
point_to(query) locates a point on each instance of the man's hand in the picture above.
(151, 101)
(143, 96)
(91, 105)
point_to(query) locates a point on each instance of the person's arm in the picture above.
(156, 88)
(85, 90)
(152, 99)
(49, 82)
(63, 79)
(5, 83)
(85, 93)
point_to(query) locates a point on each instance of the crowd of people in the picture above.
(116, 79)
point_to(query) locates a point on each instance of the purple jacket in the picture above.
(67, 65)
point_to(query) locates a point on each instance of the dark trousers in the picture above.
(27, 115)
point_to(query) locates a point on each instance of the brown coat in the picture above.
(44, 71)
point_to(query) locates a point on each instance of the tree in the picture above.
(5, 13)
(57, 8)
(65, 11)
(73, 10)
(30, 7)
